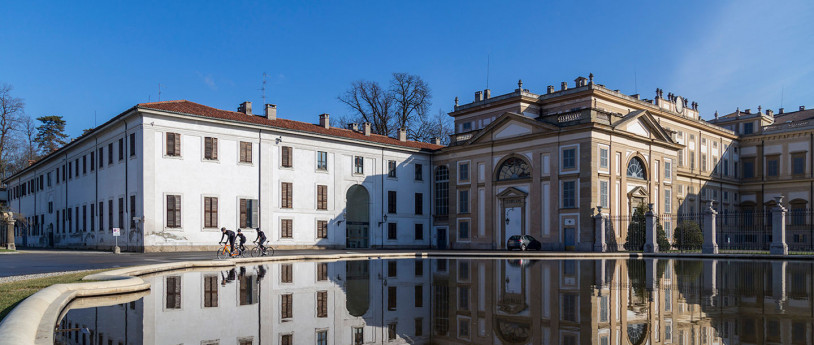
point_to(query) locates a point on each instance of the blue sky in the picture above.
(77, 58)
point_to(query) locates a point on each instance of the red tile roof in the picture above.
(192, 108)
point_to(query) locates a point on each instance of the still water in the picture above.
(461, 301)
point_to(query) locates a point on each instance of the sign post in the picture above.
(116, 233)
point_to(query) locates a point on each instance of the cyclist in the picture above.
(242, 238)
(261, 238)
(230, 235)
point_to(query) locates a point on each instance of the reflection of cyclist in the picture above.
(242, 238)
(230, 235)
(261, 238)
(261, 272)
(228, 278)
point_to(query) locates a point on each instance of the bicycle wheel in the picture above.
(222, 253)
(269, 251)
(256, 252)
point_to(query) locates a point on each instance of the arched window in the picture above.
(441, 191)
(635, 168)
(512, 169)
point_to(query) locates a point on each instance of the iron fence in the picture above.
(800, 230)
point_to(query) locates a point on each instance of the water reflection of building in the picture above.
(604, 302)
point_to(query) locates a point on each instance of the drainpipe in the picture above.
(126, 189)
(259, 178)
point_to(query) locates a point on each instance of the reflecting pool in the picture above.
(461, 301)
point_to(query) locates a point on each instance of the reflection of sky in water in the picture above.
(461, 301)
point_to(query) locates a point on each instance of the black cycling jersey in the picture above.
(227, 234)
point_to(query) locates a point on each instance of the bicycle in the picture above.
(225, 251)
(266, 251)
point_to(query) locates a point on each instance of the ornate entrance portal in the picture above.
(513, 210)
(357, 228)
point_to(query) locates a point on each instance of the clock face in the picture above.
(679, 105)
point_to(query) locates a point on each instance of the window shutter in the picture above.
(214, 216)
(243, 211)
(177, 211)
(214, 148)
(170, 213)
(254, 208)
(170, 145)
(248, 152)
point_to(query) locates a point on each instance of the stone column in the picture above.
(651, 244)
(779, 246)
(710, 281)
(779, 284)
(651, 275)
(9, 220)
(600, 245)
(710, 245)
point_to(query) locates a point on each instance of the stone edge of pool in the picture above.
(32, 321)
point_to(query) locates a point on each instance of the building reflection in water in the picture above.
(463, 301)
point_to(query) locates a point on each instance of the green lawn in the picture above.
(13, 293)
(5, 250)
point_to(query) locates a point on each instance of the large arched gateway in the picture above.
(357, 228)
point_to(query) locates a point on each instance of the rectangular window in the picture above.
(748, 167)
(419, 327)
(798, 162)
(668, 170)
(286, 196)
(569, 158)
(211, 148)
(703, 162)
(391, 331)
(391, 168)
(322, 337)
(84, 165)
(358, 165)
(285, 156)
(392, 268)
(748, 128)
(569, 307)
(419, 172)
(132, 211)
(569, 192)
(132, 144)
(173, 287)
(76, 166)
(84, 218)
(92, 216)
(463, 201)
(391, 297)
(419, 231)
(358, 335)
(249, 213)
(92, 163)
(463, 230)
(603, 194)
(392, 231)
(322, 303)
(173, 148)
(322, 229)
(322, 271)
(286, 273)
(773, 166)
(463, 297)
(110, 154)
(391, 201)
(70, 171)
(419, 203)
(287, 339)
(121, 213)
(668, 201)
(245, 152)
(286, 228)
(603, 158)
(322, 160)
(210, 212)
(418, 268)
(173, 211)
(121, 149)
(101, 216)
(692, 160)
(463, 172)
(286, 308)
(322, 197)
(210, 291)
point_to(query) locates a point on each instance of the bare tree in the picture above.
(28, 132)
(403, 105)
(11, 109)
(438, 126)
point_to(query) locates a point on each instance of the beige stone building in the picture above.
(542, 164)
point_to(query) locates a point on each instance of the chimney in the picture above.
(779, 111)
(769, 112)
(487, 94)
(550, 89)
(563, 86)
(747, 111)
(325, 121)
(636, 96)
(245, 107)
(353, 126)
(366, 125)
(478, 96)
(580, 81)
(402, 134)
(271, 111)
(802, 107)
(435, 140)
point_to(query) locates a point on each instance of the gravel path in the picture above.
(38, 275)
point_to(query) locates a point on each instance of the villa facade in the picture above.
(170, 174)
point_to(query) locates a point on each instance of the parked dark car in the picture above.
(522, 242)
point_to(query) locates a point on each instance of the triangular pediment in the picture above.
(512, 192)
(642, 123)
(510, 125)
(637, 192)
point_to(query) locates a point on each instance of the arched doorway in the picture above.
(357, 296)
(357, 217)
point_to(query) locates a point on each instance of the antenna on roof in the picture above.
(488, 58)
(635, 83)
(782, 91)
(263, 88)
